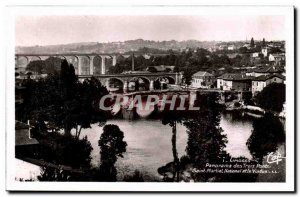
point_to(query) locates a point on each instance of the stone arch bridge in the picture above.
(148, 78)
(84, 64)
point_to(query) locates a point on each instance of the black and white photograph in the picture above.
(176, 96)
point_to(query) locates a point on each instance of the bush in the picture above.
(136, 177)
(66, 150)
(272, 97)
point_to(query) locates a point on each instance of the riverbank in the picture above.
(251, 110)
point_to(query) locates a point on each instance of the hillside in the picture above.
(115, 47)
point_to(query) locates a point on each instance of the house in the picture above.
(202, 79)
(264, 51)
(247, 45)
(266, 70)
(255, 54)
(259, 83)
(277, 58)
(231, 47)
(234, 81)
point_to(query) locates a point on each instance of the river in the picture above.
(149, 143)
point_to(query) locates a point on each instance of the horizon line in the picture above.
(108, 42)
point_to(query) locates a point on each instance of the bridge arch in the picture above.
(166, 79)
(61, 57)
(21, 62)
(97, 65)
(34, 58)
(114, 84)
(74, 60)
(113, 60)
(84, 65)
(140, 83)
(44, 57)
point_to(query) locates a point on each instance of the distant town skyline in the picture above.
(53, 30)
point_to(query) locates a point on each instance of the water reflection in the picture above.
(238, 129)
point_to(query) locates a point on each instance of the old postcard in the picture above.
(158, 98)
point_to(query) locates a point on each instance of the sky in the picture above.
(50, 30)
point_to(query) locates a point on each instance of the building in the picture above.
(231, 47)
(255, 54)
(222, 47)
(265, 70)
(277, 58)
(202, 79)
(234, 81)
(264, 51)
(247, 45)
(259, 83)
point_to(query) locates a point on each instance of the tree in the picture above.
(171, 118)
(243, 49)
(267, 134)
(49, 66)
(206, 141)
(252, 43)
(272, 97)
(35, 66)
(111, 146)
(63, 102)
(187, 76)
(263, 42)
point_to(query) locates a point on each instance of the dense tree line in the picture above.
(272, 97)
(62, 101)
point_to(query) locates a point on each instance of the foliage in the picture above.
(65, 150)
(252, 43)
(206, 141)
(267, 134)
(187, 76)
(111, 146)
(136, 177)
(51, 65)
(271, 97)
(264, 43)
(52, 174)
(63, 102)
(111, 143)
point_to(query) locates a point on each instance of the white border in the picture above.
(12, 12)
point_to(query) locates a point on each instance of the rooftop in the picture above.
(266, 77)
(268, 69)
(278, 54)
(203, 74)
(235, 77)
